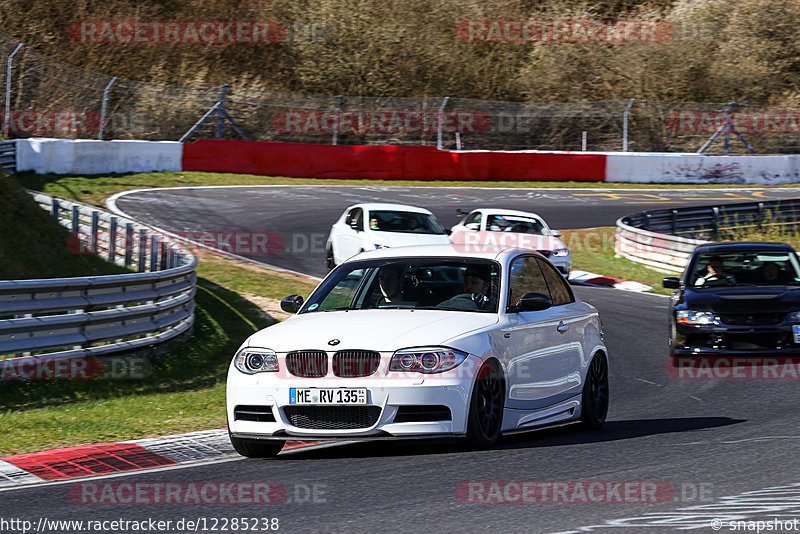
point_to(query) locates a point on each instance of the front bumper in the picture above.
(772, 340)
(562, 263)
(387, 394)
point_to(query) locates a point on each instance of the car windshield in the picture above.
(407, 222)
(760, 268)
(458, 284)
(514, 223)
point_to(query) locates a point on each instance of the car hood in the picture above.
(400, 239)
(749, 299)
(510, 239)
(381, 330)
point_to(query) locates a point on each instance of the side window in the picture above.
(355, 215)
(560, 291)
(474, 219)
(524, 277)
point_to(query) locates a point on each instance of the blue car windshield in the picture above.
(457, 284)
(760, 268)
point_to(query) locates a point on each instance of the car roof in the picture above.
(371, 206)
(487, 252)
(503, 211)
(743, 246)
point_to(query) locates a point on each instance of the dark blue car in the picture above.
(737, 298)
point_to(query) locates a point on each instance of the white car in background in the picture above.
(425, 341)
(364, 227)
(512, 228)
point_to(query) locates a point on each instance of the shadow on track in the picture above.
(568, 434)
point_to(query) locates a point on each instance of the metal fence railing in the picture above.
(664, 239)
(65, 318)
(48, 98)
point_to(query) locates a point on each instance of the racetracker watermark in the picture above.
(51, 122)
(237, 493)
(565, 492)
(239, 243)
(379, 122)
(130, 367)
(564, 31)
(132, 32)
(745, 122)
(734, 367)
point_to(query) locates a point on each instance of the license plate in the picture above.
(327, 396)
(796, 332)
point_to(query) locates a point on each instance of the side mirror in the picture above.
(555, 233)
(355, 226)
(473, 226)
(533, 302)
(448, 231)
(671, 282)
(292, 303)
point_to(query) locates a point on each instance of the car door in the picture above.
(348, 243)
(543, 365)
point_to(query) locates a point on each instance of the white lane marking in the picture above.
(646, 381)
(10, 475)
(782, 502)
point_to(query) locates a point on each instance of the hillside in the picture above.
(33, 245)
(707, 50)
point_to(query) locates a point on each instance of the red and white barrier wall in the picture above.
(396, 162)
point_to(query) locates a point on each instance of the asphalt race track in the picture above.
(710, 441)
(302, 215)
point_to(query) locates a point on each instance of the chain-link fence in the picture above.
(47, 98)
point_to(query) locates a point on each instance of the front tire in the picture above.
(594, 400)
(485, 419)
(256, 448)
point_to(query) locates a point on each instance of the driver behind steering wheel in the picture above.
(476, 285)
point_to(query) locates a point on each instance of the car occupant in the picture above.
(715, 274)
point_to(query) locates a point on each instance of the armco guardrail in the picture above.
(46, 319)
(665, 239)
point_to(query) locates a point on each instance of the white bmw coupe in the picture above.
(422, 341)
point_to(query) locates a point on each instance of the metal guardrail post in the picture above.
(142, 250)
(55, 209)
(153, 253)
(625, 124)
(112, 240)
(94, 238)
(7, 109)
(76, 221)
(104, 107)
(128, 244)
(715, 221)
(440, 123)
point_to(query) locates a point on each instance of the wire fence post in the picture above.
(440, 122)
(7, 109)
(336, 112)
(221, 109)
(625, 115)
(104, 107)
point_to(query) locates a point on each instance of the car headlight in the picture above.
(794, 317)
(560, 252)
(378, 246)
(251, 361)
(697, 317)
(427, 359)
